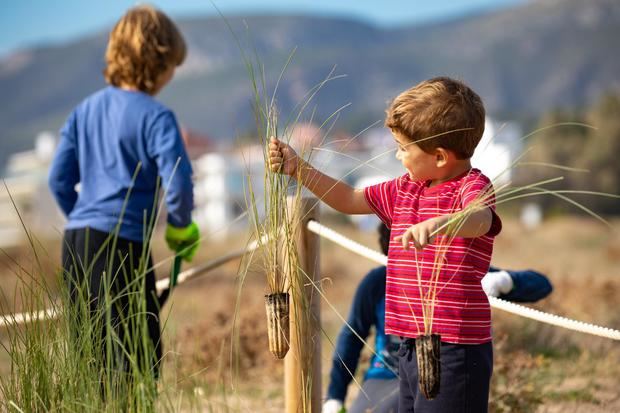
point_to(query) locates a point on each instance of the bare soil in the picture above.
(216, 329)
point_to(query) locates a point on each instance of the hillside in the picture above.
(523, 61)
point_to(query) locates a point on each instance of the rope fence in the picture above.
(51, 313)
(349, 244)
(498, 303)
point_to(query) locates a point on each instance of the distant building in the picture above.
(28, 197)
(496, 153)
(221, 179)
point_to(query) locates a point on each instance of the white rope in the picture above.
(555, 320)
(347, 243)
(498, 303)
(50, 313)
(208, 266)
(22, 318)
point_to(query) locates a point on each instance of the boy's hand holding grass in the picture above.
(334, 192)
(282, 158)
(184, 241)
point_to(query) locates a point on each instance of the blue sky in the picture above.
(26, 23)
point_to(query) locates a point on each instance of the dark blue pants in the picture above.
(93, 258)
(376, 396)
(464, 379)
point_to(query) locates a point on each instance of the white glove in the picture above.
(497, 283)
(332, 406)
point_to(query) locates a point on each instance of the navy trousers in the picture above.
(91, 258)
(464, 379)
(377, 396)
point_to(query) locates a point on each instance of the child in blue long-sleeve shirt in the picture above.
(121, 146)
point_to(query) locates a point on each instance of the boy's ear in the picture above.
(441, 157)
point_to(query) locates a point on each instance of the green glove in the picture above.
(184, 241)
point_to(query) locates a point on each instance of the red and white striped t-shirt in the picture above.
(461, 312)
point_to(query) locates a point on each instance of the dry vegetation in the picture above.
(538, 368)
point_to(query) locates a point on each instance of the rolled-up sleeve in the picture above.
(479, 189)
(381, 197)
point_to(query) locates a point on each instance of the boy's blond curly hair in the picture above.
(143, 45)
(439, 113)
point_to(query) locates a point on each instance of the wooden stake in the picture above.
(302, 364)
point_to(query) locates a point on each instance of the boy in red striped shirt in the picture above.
(442, 218)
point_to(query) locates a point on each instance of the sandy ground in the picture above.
(537, 368)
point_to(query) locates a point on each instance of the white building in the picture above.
(496, 153)
(28, 197)
(220, 188)
(222, 179)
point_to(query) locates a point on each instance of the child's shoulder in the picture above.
(475, 174)
(475, 178)
(133, 101)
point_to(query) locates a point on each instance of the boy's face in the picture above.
(420, 165)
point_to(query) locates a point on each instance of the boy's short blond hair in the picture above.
(143, 44)
(439, 113)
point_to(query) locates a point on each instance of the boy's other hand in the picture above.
(282, 158)
(421, 234)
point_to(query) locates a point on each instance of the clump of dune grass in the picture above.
(276, 222)
(271, 227)
(274, 219)
(67, 359)
(72, 354)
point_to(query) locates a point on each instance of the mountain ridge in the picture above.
(524, 60)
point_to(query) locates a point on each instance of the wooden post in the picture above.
(302, 364)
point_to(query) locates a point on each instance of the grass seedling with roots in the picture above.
(272, 227)
(275, 218)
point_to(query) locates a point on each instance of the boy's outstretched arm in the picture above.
(473, 225)
(335, 193)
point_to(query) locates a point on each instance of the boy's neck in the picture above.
(130, 88)
(127, 87)
(455, 168)
(162, 80)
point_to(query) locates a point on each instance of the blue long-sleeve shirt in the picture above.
(116, 144)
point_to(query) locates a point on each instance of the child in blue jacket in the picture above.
(121, 146)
